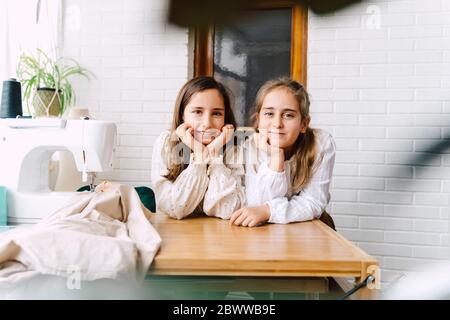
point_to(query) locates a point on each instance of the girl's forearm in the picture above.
(276, 162)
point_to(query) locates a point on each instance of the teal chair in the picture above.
(3, 207)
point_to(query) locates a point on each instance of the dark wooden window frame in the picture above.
(204, 42)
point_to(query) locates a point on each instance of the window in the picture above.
(255, 46)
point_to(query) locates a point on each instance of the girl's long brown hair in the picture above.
(190, 88)
(304, 148)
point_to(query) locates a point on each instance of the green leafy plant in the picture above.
(40, 71)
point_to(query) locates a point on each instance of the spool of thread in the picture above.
(77, 113)
(11, 105)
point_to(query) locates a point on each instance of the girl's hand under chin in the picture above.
(275, 153)
(186, 134)
(215, 145)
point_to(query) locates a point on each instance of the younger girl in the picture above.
(188, 171)
(288, 165)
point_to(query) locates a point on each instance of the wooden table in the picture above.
(293, 257)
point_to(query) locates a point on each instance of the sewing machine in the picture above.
(26, 146)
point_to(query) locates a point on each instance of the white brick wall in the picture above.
(384, 93)
(388, 194)
(139, 61)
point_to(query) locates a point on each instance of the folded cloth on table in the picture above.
(146, 195)
(105, 234)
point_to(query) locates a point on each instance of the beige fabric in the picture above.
(104, 235)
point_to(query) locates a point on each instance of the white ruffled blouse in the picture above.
(219, 189)
(211, 187)
(266, 186)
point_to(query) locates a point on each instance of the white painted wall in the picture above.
(140, 62)
(379, 76)
(379, 83)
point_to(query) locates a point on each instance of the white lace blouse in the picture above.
(266, 186)
(213, 187)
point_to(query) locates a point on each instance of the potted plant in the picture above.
(46, 83)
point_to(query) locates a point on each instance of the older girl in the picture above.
(188, 169)
(288, 164)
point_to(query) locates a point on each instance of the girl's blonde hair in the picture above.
(190, 88)
(304, 148)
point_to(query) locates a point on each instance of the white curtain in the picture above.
(26, 25)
